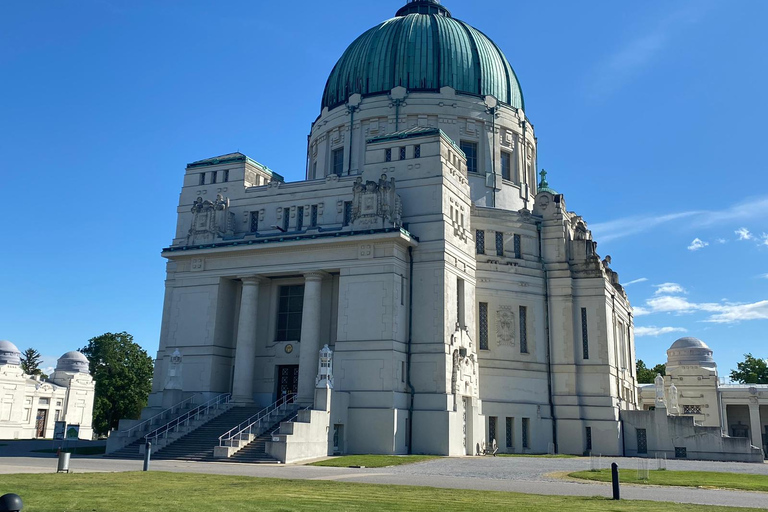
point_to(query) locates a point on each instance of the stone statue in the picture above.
(174, 371)
(325, 369)
(376, 205)
(211, 220)
(674, 397)
(659, 390)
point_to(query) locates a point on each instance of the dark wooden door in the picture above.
(42, 414)
(287, 380)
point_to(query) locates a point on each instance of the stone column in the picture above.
(245, 353)
(755, 426)
(310, 336)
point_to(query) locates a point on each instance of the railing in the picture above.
(245, 429)
(158, 415)
(184, 419)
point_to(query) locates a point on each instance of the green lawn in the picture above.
(372, 461)
(544, 456)
(182, 492)
(739, 481)
(80, 450)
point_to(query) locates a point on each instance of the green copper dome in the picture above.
(423, 49)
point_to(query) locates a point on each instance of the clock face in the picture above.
(288, 349)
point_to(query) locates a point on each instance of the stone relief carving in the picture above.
(505, 333)
(659, 382)
(464, 366)
(174, 371)
(211, 220)
(376, 205)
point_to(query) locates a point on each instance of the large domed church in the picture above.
(463, 304)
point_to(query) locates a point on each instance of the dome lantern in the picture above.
(423, 7)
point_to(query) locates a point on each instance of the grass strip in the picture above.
(541, 456)
(704, 479)
(372, 461)
(182, 492)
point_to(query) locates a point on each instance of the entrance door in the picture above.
(42, 414)
(287, 380)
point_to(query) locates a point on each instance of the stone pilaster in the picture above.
(242, 388)
(755, 426)
(310, 336)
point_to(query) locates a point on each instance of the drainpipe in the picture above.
(409, 432)
(493, 155)
(352, 110)
(549, 341)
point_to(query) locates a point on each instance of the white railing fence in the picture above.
(164, 414)
(256, 423)
(184, 420)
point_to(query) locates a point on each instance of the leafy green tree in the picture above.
(123, 374)
(30, 363)
(751, 371)
(647, 375)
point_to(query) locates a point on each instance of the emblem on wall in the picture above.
(505, 334)
(211, 220)
(376, 204)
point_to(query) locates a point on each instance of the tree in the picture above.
(30, 363)
(647, 375)
(123, 374)
(751, 371)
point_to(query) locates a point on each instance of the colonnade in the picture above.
(309, 347)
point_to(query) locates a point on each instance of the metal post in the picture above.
(147, 455)
(615, 480)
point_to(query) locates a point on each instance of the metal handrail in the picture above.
(149, 420)
(256, 419)
(173, 425)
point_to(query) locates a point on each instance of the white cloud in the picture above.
(755, 208)
(721, 313)
(656, 331)
(740, 312)
(721, 241)
(744, 234)
(640, 311)
(764, 239)
(697, 244)
(763, 276)
(669, 288)
(636, 281)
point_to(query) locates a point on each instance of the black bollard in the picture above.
(147, 455)
(10, 503)
(615, 479)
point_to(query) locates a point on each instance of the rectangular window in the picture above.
(589, 439)
(337, 161)
(460, 302)
(492, 425)
(347, 213)
(483, 326)
(584, 333)
(480, 241)
(45, 401)
(313, 216)
(226, 176)
(526, 432)
(506, 165)
(499, 244)
(299, 218)
(470, 150)
(510, 432)
(388, 154)
(417, 151)
(314, 170)
(402, 291)
(523, 330)
(202, 178)
(254, 222)
(402, 153)
(289, 310)
(213, 177)
(518, 247)
(286, 218)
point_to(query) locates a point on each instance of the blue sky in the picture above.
(650, 117)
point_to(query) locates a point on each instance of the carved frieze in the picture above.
(376, 205)
(211, 220)
(505, 332)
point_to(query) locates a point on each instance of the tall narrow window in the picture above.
(254, 222)
(460, 302)
(523, 329)
(347, 213)
(589, 439)
(388, 154)
(213, 177)
(584, 333)
(202, 178)
(480, 241)
(470, 150)
(510, 434)
(518, 247)
(483, 325)
(289, 312)
(226, 176)
(526, 432)
(286, 218)
(402, 153)
(337, 161)
(506, 165)
(499, 244)
(492, 427)
(417, 151)
(299, 218)
(313, 216)
(314, 170)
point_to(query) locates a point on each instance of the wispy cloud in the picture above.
(626, 226)
(639, 52)
(721, 241)
(636, 281)
(668, 289)
(763, 276)
(744, 234)
(721, 313)
(697, 244)
(640, 311)
(656, 331)
(733, 313)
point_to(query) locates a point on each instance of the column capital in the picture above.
(252, 280)
(315, 275)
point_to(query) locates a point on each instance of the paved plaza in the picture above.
(515, 474)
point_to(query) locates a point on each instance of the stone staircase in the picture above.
(255, 452)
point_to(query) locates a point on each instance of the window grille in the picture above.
(518, 247)
(499, 244)
(483, 325)
(526, 432)
(388, 154)
(417, 151)
(347, 213)
(402, 153)
(480, 241)
(470, 150)
(299, 218)
(254, 222)
(289, 313)
(510, 432)
(523, 313)
(584, 333)
(313, 216)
